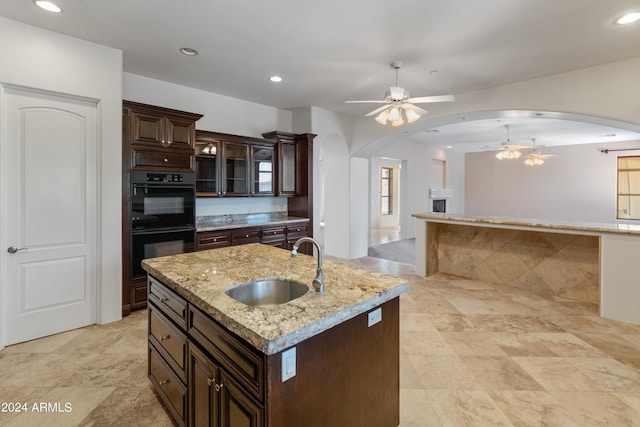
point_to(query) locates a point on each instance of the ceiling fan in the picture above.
(508, 150)
(399, 104)
(536, 158)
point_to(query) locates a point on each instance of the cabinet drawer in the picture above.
(243, 361)
(161, 159)
(273, 233)
(213, 239)
(172, 305)
(170, 389)
(298, 230)
(169, 340)
(245, 235)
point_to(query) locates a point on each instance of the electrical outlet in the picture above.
(375, 316)
(288, 364)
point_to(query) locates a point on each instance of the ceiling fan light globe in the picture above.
(412, 116)
(516, 154)
(398, 122)
(382, 118)
(394, 114)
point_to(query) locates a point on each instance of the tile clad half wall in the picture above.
(552, 264)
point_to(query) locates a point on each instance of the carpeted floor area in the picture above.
(403, 251)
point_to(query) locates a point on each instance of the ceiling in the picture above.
(331, 51)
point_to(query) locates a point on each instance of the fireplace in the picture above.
(440, 205)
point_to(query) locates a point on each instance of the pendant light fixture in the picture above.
(508, 152)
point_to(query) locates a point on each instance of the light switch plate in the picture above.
(288, 364)
(375, 316)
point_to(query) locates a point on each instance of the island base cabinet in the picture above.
(215, 398)
(348, 375)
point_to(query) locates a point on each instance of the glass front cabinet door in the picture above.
(236, 169)
(262, 176)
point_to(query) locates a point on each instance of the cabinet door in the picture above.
(262, 176)
(147, 127)
(236, 169)
(287, 168)
(208, 169)
(179, 132)
(237, 408)
(203, 403)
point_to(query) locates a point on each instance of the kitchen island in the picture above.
(329, 358)
(592, 263)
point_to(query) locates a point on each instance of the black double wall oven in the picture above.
(163, 218)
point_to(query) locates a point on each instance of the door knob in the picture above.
(13, 249)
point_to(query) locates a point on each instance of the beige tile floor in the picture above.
(472, 354)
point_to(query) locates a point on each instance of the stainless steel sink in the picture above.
(267, 291)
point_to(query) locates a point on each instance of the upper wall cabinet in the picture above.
(287, 167)
(234, 166)
(208, 153)
(159, 137)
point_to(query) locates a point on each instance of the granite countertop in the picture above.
(238, 221)
(554, 224)
(201, 278)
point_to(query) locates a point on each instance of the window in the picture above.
(628, 202)
(386, 176)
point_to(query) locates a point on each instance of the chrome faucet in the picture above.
(318, 282)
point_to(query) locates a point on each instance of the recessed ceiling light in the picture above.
(449, 146)
(188, 51)
(275, 79)
(48, 6)
(628, 18)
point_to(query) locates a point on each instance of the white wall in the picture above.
(37, 58)
(333, 132)
(578, 185)
(359, 232)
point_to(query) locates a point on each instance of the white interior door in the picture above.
(49, 213)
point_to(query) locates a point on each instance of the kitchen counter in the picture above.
(593, 263)
(202, 277)
(223, 222)
(549, 224)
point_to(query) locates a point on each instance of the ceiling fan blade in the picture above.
(366, 102)
(426, 99)
(415, 108)
(517, 147)
(376, 111)
(396, 93)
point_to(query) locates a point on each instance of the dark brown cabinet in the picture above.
(216, 399)
(262, 173)
(235, 169)
(208, 183)
(229, 383)
(155, 139)
(158, 138)
(281, 236)
(239, 166)
(203, 375)
(212, 240)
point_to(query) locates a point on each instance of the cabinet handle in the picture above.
(164, 143)
(246, 235)
(163, 299)
(219, 386)
(166, 337)
(215, 240)
(164, 382)
(166, 160)
(211, 381)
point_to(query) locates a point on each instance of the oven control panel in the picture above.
(165, 177)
